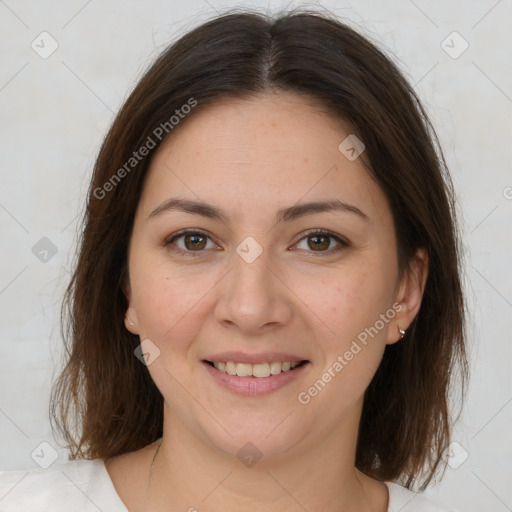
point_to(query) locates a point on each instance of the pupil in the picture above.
(194, 239)
(321, 246)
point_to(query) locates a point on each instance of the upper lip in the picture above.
(261, 357)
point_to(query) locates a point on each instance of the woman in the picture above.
(266, 312)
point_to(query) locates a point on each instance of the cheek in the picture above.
(351, 356)
(349, 302)
(169, 313)
(354, 307)
(159, 298)
(171, 303)
(155, 301)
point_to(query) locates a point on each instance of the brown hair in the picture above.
(105, 402)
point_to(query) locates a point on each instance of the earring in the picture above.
(402, 333)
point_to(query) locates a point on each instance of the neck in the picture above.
(192, 474)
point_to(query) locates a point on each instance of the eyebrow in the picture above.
(284, 215)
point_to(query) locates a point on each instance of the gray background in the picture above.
(56, 110)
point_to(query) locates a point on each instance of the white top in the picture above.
(85, 486)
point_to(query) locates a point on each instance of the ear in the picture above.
(409, 295)
(130, 318)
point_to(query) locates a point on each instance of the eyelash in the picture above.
(310, 234)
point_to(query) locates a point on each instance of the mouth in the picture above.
(257, 370)
(256, 378)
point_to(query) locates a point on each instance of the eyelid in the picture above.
(342, 242)
(170, 239)
(187, 231)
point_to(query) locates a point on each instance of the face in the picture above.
(252, 279)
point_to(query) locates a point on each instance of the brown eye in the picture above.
(320, 241)
(195, 242)
(189, 242)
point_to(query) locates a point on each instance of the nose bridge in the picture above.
(252, 296)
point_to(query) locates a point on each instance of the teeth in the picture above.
(261, 370)
(254, 370)
(244, 370)
(275, 368)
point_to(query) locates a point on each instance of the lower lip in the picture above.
(255, 386)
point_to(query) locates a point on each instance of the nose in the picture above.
(253, 297)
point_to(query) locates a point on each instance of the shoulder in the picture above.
(404, 500)
(76, 485)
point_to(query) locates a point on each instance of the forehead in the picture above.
(273, 150)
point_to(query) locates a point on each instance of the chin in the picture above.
(259, 438)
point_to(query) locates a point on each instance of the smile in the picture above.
(255, 379)
(259, 370)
